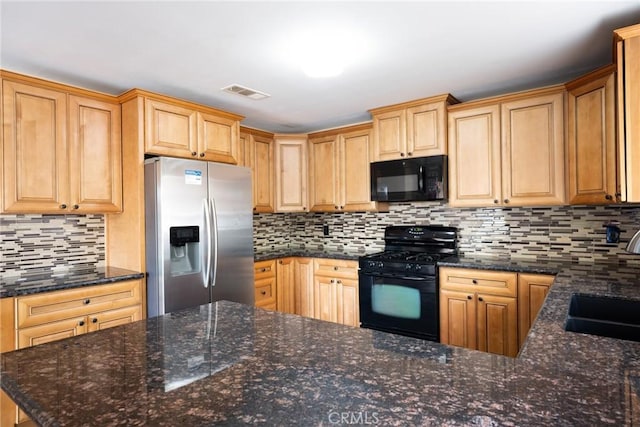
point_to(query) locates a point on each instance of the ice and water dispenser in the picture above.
(185, 250)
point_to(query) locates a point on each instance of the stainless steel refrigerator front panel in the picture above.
(181, 194)
(230, 196)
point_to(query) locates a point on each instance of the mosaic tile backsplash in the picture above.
(568, 232)
(32, 243)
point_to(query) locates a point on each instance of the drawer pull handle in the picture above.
(263, 292)
(81, 323)
(87, 301)
(335, 268)
(474, 281)
(94, 320)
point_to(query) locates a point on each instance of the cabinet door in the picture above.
(262, 165)
(355, 182)
(291, 174)
(533, 151)
(217, 138)
(325, 307)
(347, 302)
(52, 331)
(458, 318)
(323, 175)
(95, 156)
(170, 130)
(591, 147)
(303, 285)
(427, 130)
(112, 318)
(390, 134)
(474, 157)
(36, 172)
(285, 285)
(497, 326)
(532, 291)
(244, 150)
(265, 293)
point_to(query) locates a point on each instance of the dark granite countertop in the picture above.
(306, 253)
(51, 280)
(227, 363)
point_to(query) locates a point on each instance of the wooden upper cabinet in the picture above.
(323, 173)
(412, 129)
(95, 155)
(183, 129)
(291, 173)
(339, 170)
(258, 147)
(591, 144)
(527, 168)
(627, 53)
(475, 171)
(218, 138)
(62, 148)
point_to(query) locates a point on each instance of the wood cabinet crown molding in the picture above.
(256, 132)
(499, 99)
(627, 32)
(447, 98)
(343, 129)
(61, 87)
(580, 81)
(136, 92)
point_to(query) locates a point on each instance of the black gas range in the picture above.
(399, 286)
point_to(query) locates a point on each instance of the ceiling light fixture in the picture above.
(325, 52)
(245, 91)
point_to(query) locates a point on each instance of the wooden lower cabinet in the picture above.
(335, 286)
(51, 316)
(478, 310)
(532, 291)
(265, 284)
(294, 286)
(490, 311)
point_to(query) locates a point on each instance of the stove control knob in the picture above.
(407, 266)
(418, 268)
(371, 264)
(380, 264)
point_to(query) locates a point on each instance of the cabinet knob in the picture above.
(336, 207)
(81, 323)
(193, 153)
(335, 268)
(496, 201)
(94, 320)
(506, 200)
(480, 299)
(409, 153)
(76, 206)
(255, 209)
(63, 206)
(608, 197)
(201, 154)
(333, 281)
(469, 297)
(618, 195)
(474, 281)
(263, 292)
(401, 154)
(280, 262)
(339, 281)
(304, 208)
(87, 301)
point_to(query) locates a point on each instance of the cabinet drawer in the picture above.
(335, 268)
(483, 281)
(38, 309)
(265, 291)
(264, 269)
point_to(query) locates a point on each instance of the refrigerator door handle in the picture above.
(206, 271)
(214, 213)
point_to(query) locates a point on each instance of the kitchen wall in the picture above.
(568, 232)
(30, 244)
(34, 243)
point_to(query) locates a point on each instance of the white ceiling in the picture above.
(414, 49)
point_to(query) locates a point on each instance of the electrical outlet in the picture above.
(325, 230)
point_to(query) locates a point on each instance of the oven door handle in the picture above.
(421, 179)
(399, 276)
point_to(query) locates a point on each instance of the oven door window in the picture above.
(396, 301)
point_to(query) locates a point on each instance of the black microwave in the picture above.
(411, 179)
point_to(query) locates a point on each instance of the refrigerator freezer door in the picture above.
(231, 203)
(176, 278)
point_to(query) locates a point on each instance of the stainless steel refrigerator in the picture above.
(199, 234)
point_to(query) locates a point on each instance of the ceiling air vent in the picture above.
(245, 91)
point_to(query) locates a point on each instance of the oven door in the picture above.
(402, 304)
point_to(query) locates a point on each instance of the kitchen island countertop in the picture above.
(228, 363)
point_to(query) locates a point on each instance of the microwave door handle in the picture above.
(421, 179)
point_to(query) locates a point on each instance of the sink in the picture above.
(604, 316)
